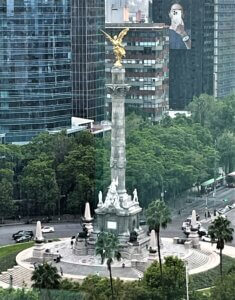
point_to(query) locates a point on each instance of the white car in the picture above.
(47, 229)
(185, 224)
(207, 238)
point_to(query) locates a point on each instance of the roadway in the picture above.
(61, 230)
(199, 204)
(173, 229)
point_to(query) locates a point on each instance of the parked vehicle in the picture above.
(20, 233)
(24, 238)
(207, 238)
(202, 231)
(230, 179)
(47, 229)
(142, 222)
(187, 230)
(187, 223)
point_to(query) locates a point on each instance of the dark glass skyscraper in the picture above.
(224, 48)
(88, 17)
(35, 67)
(190, 70)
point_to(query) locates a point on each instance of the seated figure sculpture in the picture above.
(133, 237)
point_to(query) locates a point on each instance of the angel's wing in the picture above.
(122, 34)
(107, 36)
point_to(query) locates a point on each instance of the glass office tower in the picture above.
(88, 66)
(35, 67)
(224, 59)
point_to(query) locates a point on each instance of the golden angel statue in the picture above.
(118, 48)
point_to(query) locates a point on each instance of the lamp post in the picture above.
(206, 211)
(186, 281)
(214, 191)
(162, 192)
(59, 204)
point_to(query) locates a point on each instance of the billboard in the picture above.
(179, 34)
(176, 14)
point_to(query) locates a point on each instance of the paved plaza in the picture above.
(78, 268)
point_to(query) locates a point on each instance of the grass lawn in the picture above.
(8, 254)
(207, 279)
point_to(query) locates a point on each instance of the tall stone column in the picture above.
(118, 90)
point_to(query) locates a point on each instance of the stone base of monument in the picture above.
(135, 250)
(152, 257)
(140, 265)
(38, 252)
(89, 227)
(194, 238)
(188, 244)
(80, 247)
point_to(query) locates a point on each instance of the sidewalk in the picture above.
(228, 250)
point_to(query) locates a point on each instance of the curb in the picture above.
(12, 224)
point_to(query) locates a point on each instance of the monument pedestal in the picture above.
(194, 238)
(38, 251)
(80, 247)
(39, 247)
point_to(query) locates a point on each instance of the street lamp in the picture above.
(206, 206)
(162, 192)
(59, 204)
(186, 281)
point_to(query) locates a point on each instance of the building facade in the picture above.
(88, 52)
(146, 65)
(35, 67)
(191, 71)
(116, 11)
(224, 55)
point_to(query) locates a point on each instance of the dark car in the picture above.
(24, 238)
(21, 233)
(142, 222)
(202, 231)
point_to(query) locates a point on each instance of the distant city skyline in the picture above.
(134, 5)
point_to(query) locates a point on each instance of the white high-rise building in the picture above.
(116, 11)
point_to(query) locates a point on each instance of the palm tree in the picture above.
(221, 233)
(46, 276)
(107, 247)
(158, 216)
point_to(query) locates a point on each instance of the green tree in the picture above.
(46, 276)
(221, 232)
(20, 294)
(107, 247)
(172, 286)
(6, 194)
(76, 177)
(98, 288)
(224, 289)
(226, 147)
(201, 107)
(158, 216)
(136, 290)
(70, 285)
(39, 184)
